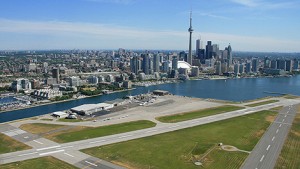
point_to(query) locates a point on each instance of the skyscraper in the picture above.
(134, 64)
(190, 58)
(156, 63)
(175, 63)
(229, 55)
(55, 74)
(198, 44)
(146, 63)
(209, 50)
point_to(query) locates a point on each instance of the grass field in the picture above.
(276, 108)
(197, 114)
(70, 120)
(63, 134)
(8, 144)
(43, 162)
(291, 97)
(290, 153)
(262, 103)
(180, 148)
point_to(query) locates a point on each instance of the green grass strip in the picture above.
(198, 114)
(88, 133)
(262, 103)
(43, 162)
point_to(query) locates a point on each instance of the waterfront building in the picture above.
(274, 64)
(55, 74)
(236, 69)
(219, 68)
(241, 68)
(229, 55)
(289, 66)
(156, 63)
(255, 65)
(165, 66)
(146, 63)
(281, 64)
(224, 67)
(93, 80)
(110, 78)
(195, 71)
(142, 76)
(183, 71)
(35, 84)
(74, 81)
(134, 64)
(267, 63)
(296, 65)
(209, 50)
(248, 67)
(47, 93)
(21, 84)
(175, 63)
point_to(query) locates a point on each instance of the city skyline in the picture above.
(249, 25)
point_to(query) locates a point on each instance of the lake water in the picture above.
(230, 89)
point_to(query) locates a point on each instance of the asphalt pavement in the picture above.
(266, 152)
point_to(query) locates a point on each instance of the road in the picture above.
(266, 152)
(69, 151)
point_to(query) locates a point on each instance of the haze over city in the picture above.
(249, 25)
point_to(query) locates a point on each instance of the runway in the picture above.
(69, 151)
(266, 152)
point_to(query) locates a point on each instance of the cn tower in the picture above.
(190, 58)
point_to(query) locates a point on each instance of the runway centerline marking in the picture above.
(51, 152)
(280, 125)
(151, 131)
(46, 148)
(277, 131)
(273, 138)
(97, 141)
(68, 154)
(64, 147)
(173, 126)
(125, 136)
(27, 154)
(91, 163)
(262, 158)
(268, 147)
(38, 142)
(283, 120)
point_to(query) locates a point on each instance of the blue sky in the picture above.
(249, 25)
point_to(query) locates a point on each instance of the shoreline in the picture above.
(68, 100)
(222, 78)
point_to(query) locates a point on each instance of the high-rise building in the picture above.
(198, 46)
(55, 74)
(281, 64)
(165, 66)
(175, 63)
(93, 80)
(209, 50)
(156, 63)
(236, 69)
(296, 65)
(274, 64)
(248, 67)
(190, 56)
(267, 63)
(241, 69)
(229, 55)
(289, 65)
(183, 56)
(218, 68)
(195, 71)
(21, 84)
(134, 64)
(146, 63)
(255, 65)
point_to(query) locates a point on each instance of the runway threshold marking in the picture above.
(38, 142)
(46, 148)
(91, 163)
(97, 141)
(27, 154)
(68, 154)
(262, 158)
(51, 152)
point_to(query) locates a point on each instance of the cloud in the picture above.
(264, 4)
(212, 15)
(105, 36)
(126, 2)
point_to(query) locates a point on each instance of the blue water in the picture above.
(230, 89)
(8, 99)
